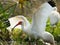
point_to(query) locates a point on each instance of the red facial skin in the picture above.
(20, 22)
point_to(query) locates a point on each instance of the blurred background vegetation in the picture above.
(10, 8)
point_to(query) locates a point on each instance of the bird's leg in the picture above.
(44, 43)
(30, 43)
(53, 44)
(36, 42)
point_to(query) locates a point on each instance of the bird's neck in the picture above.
(26, 22)
(40, 18)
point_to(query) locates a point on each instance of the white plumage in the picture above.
(54, 16)
(37, 28)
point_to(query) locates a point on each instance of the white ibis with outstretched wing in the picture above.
(39, 19)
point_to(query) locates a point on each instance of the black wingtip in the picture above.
(52, 3)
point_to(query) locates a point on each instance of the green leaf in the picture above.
(1, 7)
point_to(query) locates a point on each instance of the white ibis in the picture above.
(39, 19)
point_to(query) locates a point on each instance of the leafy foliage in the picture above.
(55, 30)
(4, 23)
